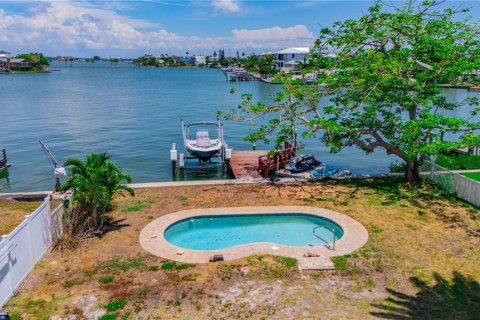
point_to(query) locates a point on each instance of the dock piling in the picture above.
(173, 157)
(181, 160)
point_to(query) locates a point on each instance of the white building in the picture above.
(200, 60)
(4, 55)
(289, 59)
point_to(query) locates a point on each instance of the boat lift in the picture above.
(180, 159)
(58, 172)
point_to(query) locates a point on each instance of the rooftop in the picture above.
(294, 50)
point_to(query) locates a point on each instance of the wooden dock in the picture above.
(244, 164)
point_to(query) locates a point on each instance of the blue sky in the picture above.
(132, 28)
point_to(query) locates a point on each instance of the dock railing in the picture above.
(21, 249)
(461, 186)
(278, 160)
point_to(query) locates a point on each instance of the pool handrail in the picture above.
(329, 229)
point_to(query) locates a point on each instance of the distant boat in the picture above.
(202, 146)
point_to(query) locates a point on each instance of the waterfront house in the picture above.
(200, 60)
(4, 61)
(289, 59)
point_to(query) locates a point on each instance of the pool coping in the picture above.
(152, 235)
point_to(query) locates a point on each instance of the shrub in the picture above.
(458, 162)
(105, 279)
(397, 167)
(94, 182)
(108, 316)
(169, 265)
(115, 305)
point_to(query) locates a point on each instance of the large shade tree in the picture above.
(380, 78)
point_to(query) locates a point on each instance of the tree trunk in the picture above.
(412, 172)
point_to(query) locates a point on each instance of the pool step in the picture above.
(315, 263)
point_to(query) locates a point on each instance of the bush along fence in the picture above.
(23, 247)
(463, 187)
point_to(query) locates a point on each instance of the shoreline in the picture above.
(166, 184)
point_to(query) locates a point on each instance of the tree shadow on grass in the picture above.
(456, 299)
(110, 225)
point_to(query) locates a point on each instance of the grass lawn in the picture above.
(421, 262)
(472, 175)
(12, 213)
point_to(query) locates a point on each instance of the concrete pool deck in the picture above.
(152, 236)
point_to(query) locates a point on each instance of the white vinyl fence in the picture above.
(24, 246)
(461, 186)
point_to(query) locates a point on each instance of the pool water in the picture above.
(219, 232)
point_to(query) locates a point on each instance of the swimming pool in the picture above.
(195, 235)
(224, 231)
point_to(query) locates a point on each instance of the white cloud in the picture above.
(274, 37)
(226, 6)
(80, 28)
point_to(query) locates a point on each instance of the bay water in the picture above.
(134, 115)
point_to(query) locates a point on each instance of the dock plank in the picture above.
(244, 164)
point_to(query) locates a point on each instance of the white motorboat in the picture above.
(201, 145)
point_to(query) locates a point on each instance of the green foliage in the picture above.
(153, 268)
(287, 262)
(340, 262)
(271, 267)
(37, 60)
(381, 85)
(472, 175)
(115, 305)
(147, 61)
(251, 64)
(170, 265)
(267, 65)
(105, 279)
(458, 162)
(95, 182)
(138, 205)
(376, 229)
(15, 315)
(124, 265)
(41, 308)
(108, 316)
(397, 167)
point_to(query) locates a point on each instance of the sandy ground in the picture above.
(423, 249)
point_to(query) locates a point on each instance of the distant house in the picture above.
(200, 60)
(5, 61)
(289, 59)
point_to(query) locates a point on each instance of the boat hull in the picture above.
(203, 155)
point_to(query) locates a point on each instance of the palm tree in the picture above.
(95, 182)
